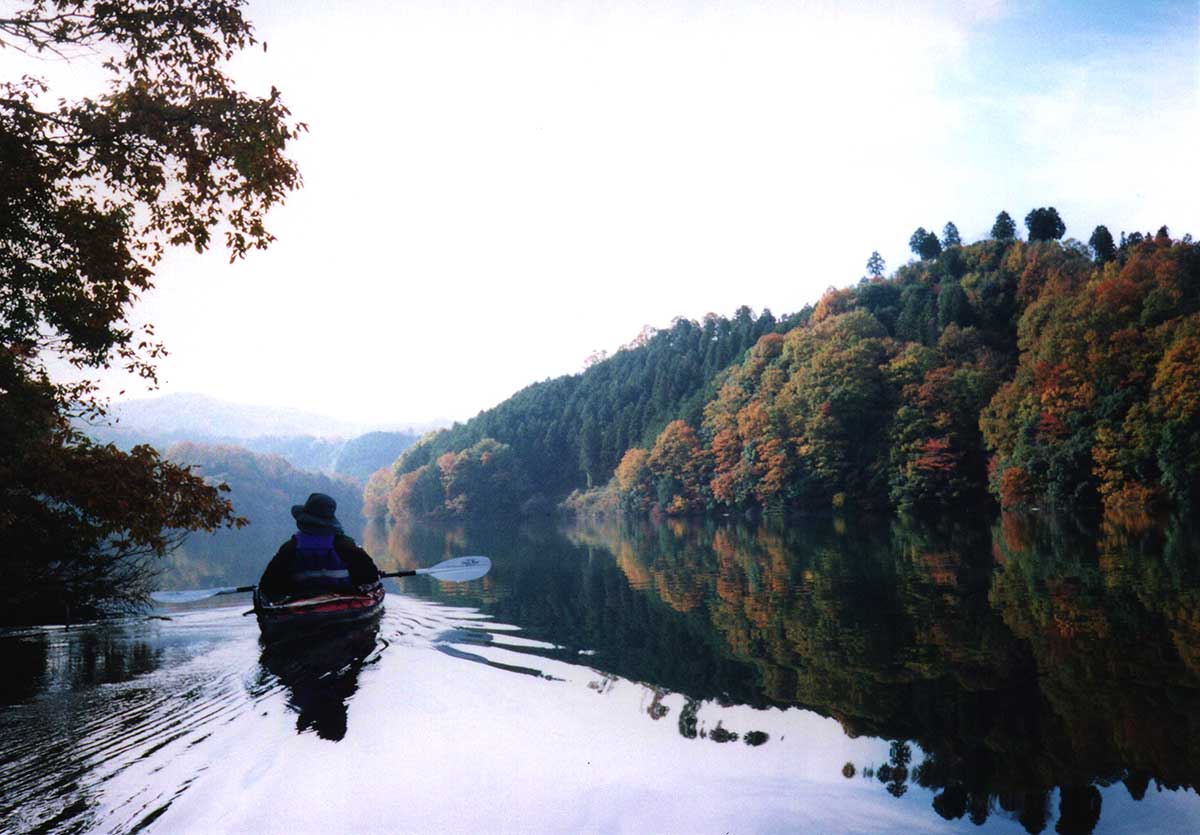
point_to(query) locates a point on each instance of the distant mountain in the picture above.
(361, 456)
(196, 416)
(306, 441)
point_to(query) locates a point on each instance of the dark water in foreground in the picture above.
(1022, 676)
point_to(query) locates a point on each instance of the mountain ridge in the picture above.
(190, 415)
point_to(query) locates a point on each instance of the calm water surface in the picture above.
(1021, 676)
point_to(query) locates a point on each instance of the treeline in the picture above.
(558, 435)
(264, 487)
(1039, 371)
(1034, 371)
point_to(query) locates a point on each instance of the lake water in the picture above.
(830, 675)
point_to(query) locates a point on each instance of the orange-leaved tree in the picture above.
(95, 190)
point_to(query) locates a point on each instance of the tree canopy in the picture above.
(950, 236)
(1101, 242)
(1004, 229)
(1023, 368)
(572, 431)
(96, 189)
(925, 244)
(1044, 224)
(1026, 370)
(876, 266)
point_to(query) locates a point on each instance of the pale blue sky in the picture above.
(494, 190)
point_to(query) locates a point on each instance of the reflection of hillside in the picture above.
(1112, 632)
(572, 594)
(1030, 660)
(1021, 658)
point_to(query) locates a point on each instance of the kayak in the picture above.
(295, 615)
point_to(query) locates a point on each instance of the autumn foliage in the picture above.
(165, 152)
(1039, 373)
(1105, 400)
(1027, 369)
(485, 480)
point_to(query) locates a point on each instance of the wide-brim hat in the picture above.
(320, 511)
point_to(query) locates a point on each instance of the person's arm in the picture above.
(274, 582)
(362, 568)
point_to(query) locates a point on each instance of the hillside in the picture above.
(1032, 372)
(570, 432)
(1028, 370)
(186, 416)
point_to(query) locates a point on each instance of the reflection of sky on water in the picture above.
(456, 724)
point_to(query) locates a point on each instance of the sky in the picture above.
(495, 190)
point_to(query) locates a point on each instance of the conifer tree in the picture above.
(1102, 244)
(876, 265)
(1044, 224)
(1004, 229)
(950, 236)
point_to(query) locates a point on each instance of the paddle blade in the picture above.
(459, 569)
(189, 596)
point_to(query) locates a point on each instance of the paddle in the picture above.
(457, 570)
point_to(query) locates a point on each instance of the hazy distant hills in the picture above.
(191, 416)
(264, 488)
(305, 440)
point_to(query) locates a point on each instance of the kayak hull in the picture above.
(302, 615)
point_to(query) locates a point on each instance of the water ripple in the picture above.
(118, 729)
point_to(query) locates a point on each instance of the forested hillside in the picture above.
(264, 487)
(263, 490)
(1036, 371)
(358, 457)
(570, 432)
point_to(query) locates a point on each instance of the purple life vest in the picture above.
(317, 565)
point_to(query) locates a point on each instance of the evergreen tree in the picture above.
(917, 321)
(950, 236)
(1102, 245)
(1004, 229)
(1044, 224)
(953, 307)
(925, 244)
(876, 265)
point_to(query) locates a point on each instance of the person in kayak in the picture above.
(319, 557)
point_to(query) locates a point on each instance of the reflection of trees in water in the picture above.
(657, 709)
(74, 659)
(320, 672)
(1024, 658)
(575, 596)
(688, 721)
(25, 668)
(67, 720)
(690, 728)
